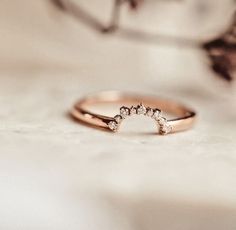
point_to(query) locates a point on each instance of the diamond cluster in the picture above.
(140, 109)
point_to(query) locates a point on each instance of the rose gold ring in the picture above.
(133, 104)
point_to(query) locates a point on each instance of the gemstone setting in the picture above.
(118, 119)
(141, 109)
(124, 111)
(113, 126)
(154, 113)
(149, 112)
(165, 129)
(161, 121)
(133, 110)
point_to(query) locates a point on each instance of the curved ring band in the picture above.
(134, 105)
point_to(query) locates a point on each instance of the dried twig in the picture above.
(221, 51)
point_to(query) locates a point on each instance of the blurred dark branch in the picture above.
(137, 35)
(59, 4)
(114, 22)
(79, 13)
(221, 51)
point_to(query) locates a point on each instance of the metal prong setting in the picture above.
(164, 126)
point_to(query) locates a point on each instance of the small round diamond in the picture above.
(118, 118)
(161, 121)
(165, 129)
(141, 109)
(133, 110)
(113, 125)
(124, 111)
(149, 112)
(156, 114)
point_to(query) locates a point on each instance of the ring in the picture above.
(133, 104)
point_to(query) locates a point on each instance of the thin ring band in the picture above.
(140, 105)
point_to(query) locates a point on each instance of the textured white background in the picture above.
(57, 174)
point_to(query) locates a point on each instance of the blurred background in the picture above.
(56, 174)
(56, 34)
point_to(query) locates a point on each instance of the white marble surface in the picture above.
(57, 174)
